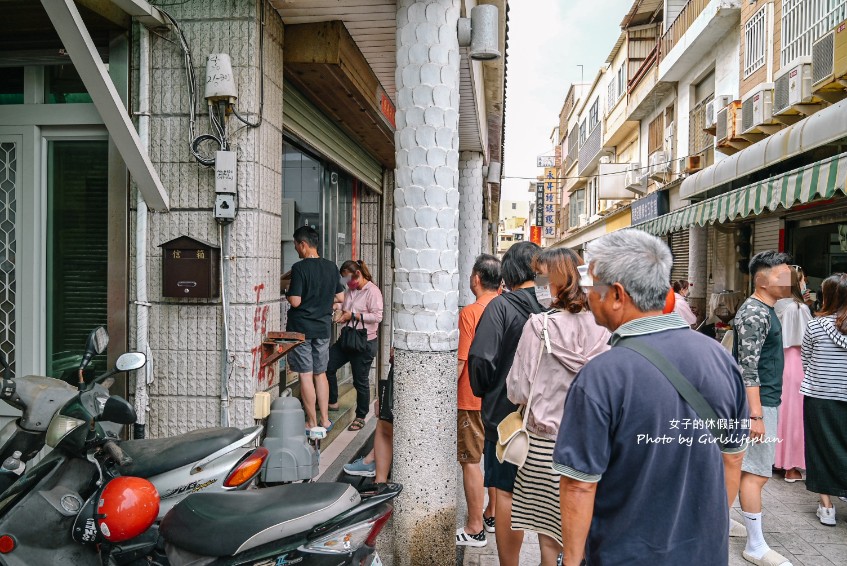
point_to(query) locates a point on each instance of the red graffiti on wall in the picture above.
(264, 375)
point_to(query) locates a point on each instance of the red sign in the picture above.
(387, 108)
(535, 234)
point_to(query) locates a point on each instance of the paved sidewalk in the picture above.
(790, 525)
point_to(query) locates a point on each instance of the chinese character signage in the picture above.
(535, 234)
(649, 207)
(546, 161)
(550, 206)
(539, 204)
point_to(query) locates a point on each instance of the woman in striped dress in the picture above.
(553, 348)
(824, 355)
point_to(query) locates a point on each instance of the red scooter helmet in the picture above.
(122, 509)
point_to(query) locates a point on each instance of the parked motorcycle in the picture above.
(74, 508)
(211, 459)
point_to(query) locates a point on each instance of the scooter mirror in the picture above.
(96, 344)
(117, 410)
(131, 361)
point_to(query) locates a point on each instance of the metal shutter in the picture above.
(679, 248)
(766, 234)
(305, 122)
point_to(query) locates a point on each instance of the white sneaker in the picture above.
(826, 515)
(463, 538)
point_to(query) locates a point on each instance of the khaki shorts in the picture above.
(470, 436)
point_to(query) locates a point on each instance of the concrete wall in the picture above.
(724, 59)
(186, 335)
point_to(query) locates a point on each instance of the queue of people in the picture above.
(627, 412)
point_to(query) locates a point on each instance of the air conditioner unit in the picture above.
(583, 219)
(793, 94)
(660, 166)
(728, 124)
(757, 110)
(712, 108)
(693, 163)
(634, 178)
(829, 64)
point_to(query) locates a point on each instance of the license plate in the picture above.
(377, 561)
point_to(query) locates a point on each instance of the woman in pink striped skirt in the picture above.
(793, 315)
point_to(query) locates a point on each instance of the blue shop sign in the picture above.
(649, 207)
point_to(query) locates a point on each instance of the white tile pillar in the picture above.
(470, 220)
(698, 244)
(426, 280)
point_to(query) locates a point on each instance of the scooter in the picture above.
(211, 459)
(56, 513)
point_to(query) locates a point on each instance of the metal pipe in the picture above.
(223, 237)
(144, 376)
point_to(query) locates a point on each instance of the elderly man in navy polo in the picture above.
(645, 477)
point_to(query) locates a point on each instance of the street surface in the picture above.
(790, 525)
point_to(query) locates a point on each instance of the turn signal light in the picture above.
(247, 469)
(7, 544)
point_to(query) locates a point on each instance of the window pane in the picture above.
(62, 85)
(12, 85)
(77, 239)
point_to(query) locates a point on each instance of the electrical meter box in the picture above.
(190, 269)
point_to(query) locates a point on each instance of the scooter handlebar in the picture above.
(116, 453)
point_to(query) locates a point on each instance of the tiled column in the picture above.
(470, 220)
(698, 244)
(426, 280)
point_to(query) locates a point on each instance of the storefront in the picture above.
(63, 210)
(817, 240)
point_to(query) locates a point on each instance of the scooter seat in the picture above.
(151, 457)
(224, 524)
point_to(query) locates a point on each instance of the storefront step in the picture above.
(344, 415)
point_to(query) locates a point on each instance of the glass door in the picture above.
(77, 250)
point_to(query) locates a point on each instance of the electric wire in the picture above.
(258, 122)
(194, 140)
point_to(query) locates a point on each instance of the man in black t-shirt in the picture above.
(315, 286)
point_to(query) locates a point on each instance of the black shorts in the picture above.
(385, 394)
(497, 475)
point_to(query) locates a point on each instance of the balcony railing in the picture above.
(680, 25)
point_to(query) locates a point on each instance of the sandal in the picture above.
(357, 424)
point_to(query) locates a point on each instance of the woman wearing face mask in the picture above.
(545, 367)
(362, 306)
(681, 291)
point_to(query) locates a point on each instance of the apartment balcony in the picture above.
(589, 151)
(646, 91)
(693, 35)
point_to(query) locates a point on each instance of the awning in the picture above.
(819, 129)
(821, 179)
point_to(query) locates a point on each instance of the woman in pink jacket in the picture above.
(362, 306)
(546, 363)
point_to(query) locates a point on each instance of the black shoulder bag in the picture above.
(354, 339)
(687, 391)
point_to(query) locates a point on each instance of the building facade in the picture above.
(221, 127)
(730, 137)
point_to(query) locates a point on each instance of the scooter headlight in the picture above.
(60, 427)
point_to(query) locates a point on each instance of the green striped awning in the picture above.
(821, 179)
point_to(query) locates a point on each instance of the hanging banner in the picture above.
(535, 234)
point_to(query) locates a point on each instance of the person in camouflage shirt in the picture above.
(757, 347)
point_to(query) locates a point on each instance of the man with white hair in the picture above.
(643, 481)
